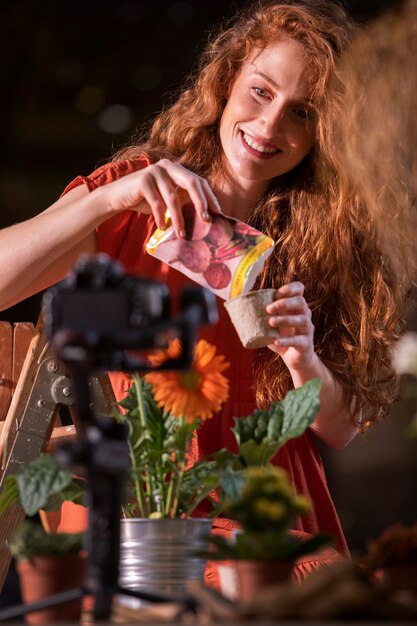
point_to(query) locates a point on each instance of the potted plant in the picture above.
(392, 557)
(163, 410)
(46, 562)
(262, 551)
(159, 538)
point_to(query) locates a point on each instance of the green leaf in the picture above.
(232, 483)
(196, 485)
(300, 408)
(225, 459)
(38, 481)
(262, 434)
(252, 427)
(74, 492)
(10, 494)
(258, 454)
(183, 436)
(30, 540)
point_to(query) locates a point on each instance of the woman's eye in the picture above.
(260, 92)
(303, 114)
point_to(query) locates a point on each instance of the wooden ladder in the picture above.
(34, 387)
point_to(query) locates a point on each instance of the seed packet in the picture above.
(224, 255)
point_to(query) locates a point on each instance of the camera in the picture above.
(108, 312)
(99, 296)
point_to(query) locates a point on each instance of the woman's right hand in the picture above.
(154, 189)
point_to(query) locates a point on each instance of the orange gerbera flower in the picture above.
(196, 393)
(173, 351)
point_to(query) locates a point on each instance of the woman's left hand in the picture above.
(291, 315)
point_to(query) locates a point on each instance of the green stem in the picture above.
(180, 472)
(141, 404)
(178, 487)
(137, 381)
(198, 497)
(138, 485)
(169, 497)
(161, 484)
(176, 478)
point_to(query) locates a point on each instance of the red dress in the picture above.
(123, 237)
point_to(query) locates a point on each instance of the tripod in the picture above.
(102, 454)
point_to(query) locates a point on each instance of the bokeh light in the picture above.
(115, 119)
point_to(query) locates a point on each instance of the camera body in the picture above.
(104, 311)
(98, 297)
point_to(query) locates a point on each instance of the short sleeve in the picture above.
(108, 173)
(112, 234)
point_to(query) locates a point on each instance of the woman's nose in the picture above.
(273, 117)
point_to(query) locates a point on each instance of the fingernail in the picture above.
(206, 215)
(181, 233)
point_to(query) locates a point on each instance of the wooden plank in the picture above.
(22, 336)
(6, 384)
(33, 412)
(60, 434)
(11, 433)
(23, 388)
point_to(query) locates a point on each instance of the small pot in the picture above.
(250, 319)
(43, 576)
(254, 576)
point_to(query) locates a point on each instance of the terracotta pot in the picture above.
(254, 576)
(42, 576)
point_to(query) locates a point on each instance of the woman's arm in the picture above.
(333, 423)
(40, 251)
(292, 316)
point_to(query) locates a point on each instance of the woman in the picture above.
(246, 137)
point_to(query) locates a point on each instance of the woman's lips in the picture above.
(261, 150)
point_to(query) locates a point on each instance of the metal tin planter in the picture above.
(158, 555)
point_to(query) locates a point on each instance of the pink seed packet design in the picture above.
(224, 255)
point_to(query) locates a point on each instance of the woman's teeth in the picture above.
(256, 146)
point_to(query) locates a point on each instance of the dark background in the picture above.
(76, 78)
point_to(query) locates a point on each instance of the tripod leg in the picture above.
(102, 605)
(57, 599)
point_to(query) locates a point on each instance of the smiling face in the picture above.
(267, 126)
